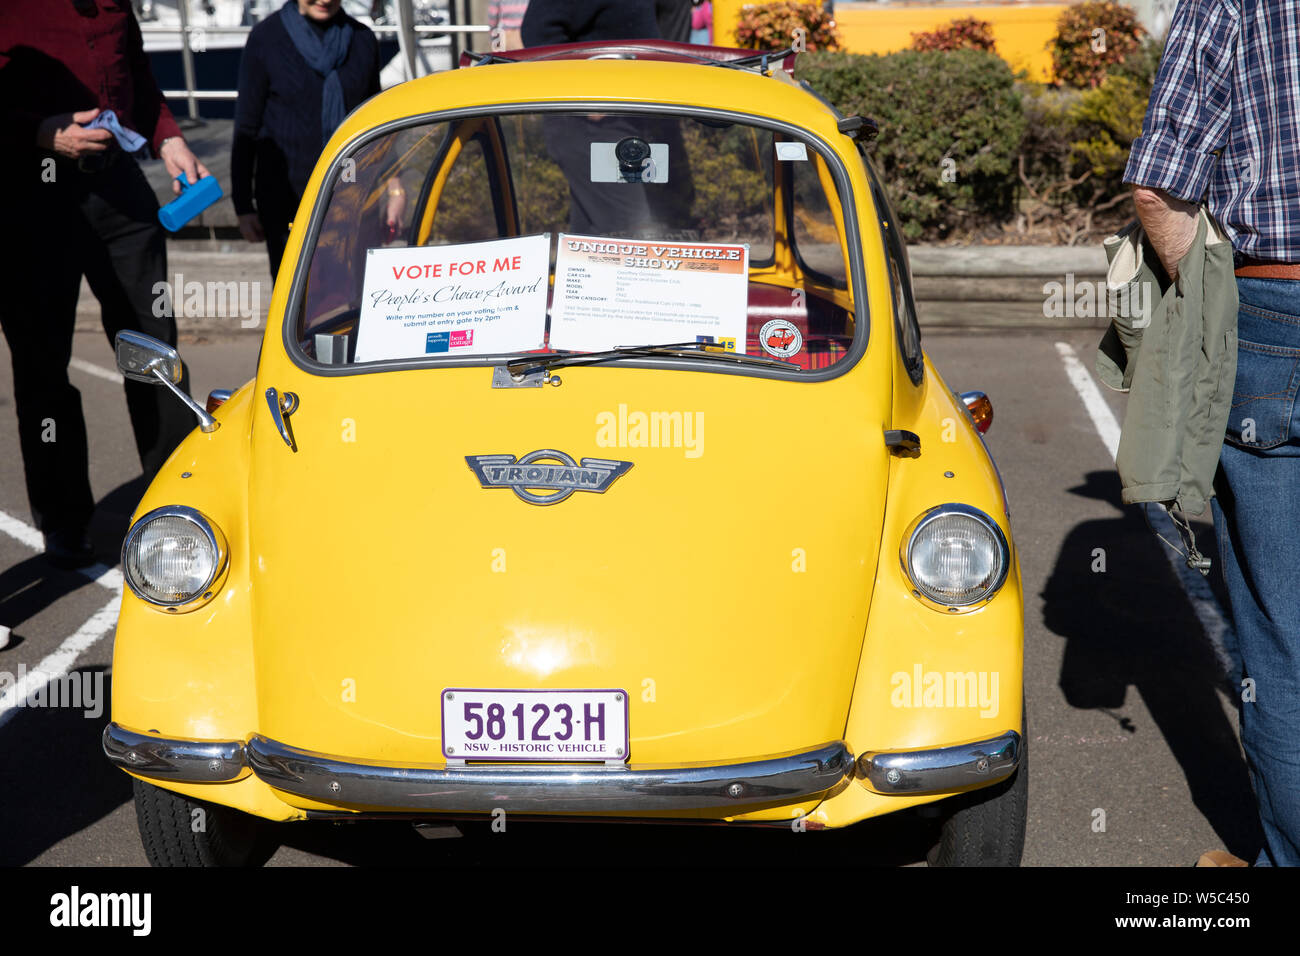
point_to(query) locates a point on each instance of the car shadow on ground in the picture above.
(55, 779)
(895, 840)
(1131, 625)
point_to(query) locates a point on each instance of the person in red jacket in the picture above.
(78, 204)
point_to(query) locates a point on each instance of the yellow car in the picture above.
(592, 468)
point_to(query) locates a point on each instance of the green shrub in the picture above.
(1108, 119)
(1072, 157)
(1142, 64)
(961, 107)
(1091, 38)
(964, 34)
(772, 26)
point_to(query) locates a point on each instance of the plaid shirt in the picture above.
(1223, 124)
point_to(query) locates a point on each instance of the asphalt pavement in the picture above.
(1132, 733)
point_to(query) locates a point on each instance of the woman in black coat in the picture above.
(303, 70)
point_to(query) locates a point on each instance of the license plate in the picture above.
(550, 725)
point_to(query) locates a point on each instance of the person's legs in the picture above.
(277, 237)
(126, 270)
(38, 313)
(276, 206)
(276, 199)
(1257, 520)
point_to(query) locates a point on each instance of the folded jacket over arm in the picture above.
(1174, 350)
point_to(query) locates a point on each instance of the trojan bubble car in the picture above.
(592, 468)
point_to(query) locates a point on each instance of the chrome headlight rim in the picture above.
(918, 524)
(215, 539)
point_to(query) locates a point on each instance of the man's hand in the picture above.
(1170, 224)
(66, 135)
(176, 156)
(250, 227)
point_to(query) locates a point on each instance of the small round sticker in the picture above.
(780, 338)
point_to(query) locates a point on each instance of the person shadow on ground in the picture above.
(1115, 599)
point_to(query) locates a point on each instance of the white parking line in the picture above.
(1103, 419)
(90, 368)
(1204, 604)
(59, 661)
(22, 532)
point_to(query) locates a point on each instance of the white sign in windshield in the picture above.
(475, 298)
(612, 292)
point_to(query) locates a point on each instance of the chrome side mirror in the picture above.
(139, 356)
(142, 358)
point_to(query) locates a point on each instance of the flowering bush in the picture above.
(772, 26)
(964, 34)
(1091, 39)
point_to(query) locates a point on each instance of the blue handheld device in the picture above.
(193, 200)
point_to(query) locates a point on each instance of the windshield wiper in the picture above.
(541, 363)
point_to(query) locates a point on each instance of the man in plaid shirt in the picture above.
(1223, 128)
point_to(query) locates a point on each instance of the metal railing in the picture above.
(408, 38)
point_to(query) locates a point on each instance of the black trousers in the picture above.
(277, 204)
(674, 18)
(103, 225)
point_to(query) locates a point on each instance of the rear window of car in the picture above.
(498, 235)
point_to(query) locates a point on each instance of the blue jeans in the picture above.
(1257, 520)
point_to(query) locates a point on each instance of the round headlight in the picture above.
(172, 556)
(956, 556)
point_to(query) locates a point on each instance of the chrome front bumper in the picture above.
(483, 788)
(942, 769)
(550, 789)
(560, 789)
(185, 761)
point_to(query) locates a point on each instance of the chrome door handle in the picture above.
(282, 406)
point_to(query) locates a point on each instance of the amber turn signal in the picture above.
(980, 408)
(218, 397)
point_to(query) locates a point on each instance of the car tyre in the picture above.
(179, 831)
(986, 827)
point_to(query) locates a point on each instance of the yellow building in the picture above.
(1021, 31)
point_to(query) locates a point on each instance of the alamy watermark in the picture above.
(210, 300)
(945, 689)
(637, 429)
(83, 691)
(1074, 299)
(75, 908)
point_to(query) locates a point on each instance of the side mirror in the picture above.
(142, 358)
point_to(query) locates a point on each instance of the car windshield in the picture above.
(546, 232)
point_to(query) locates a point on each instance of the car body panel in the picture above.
(425, 579)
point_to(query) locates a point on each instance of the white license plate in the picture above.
(555, 725)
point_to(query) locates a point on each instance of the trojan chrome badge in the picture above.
(554, 471)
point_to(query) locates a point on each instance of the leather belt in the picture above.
(1249, 267)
